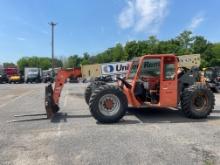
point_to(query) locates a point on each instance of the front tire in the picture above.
(108, 104)
(90, 88)
(197, 101)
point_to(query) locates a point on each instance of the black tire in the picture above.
(90, 88)
(217, 90)
(197, 101)
(107, 115)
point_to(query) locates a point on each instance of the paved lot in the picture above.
(74, 137)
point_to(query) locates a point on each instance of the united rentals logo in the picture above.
(115, 68)
(108, 68)
(122, 67)
(149, 64)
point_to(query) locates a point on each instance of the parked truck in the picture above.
(32, 75)
(13, 75)
(3, 76)
(47, 76)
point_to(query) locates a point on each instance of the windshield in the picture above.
(32, 75)
(133, 70)
(150, 68)
(11, 71)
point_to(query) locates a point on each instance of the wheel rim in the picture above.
(200, 101)
(109, 104)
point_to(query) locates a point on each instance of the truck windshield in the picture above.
(11, 71)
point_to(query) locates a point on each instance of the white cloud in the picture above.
(126, 17)
(196, 21)
(143, 15)
(21, 38)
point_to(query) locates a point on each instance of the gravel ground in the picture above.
(156, 136)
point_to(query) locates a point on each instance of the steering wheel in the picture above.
(124, 82)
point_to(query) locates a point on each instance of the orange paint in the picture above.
(61, 77)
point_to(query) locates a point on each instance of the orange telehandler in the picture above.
(152, 81)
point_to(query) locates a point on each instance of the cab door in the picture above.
(168, 82)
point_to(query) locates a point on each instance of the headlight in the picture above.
(0, 75)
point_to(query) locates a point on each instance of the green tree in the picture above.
(132, 50)
(216, 50)
(85, 59)
(152, 45)
(8, 64)
(143, 47)
(74, 61)
(40, 62)
(207, 56)
(199, 44)
(184, 43)
(170, 46)
(185, 40)
(118, 53)
(215, 61)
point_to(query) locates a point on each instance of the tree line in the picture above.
(184, 43)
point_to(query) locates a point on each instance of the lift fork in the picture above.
(50, 106)
(52, 96)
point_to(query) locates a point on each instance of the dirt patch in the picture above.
(207, 156)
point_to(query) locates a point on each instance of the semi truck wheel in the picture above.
(197, 101)
(90, 88)
(108, 104)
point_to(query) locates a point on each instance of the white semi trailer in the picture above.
(32, 75)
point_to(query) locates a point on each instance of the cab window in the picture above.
(169, 71)
(133, 70)
(150, 68)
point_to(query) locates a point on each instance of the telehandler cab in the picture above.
(152, 81)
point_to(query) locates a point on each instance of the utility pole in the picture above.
(52, 43)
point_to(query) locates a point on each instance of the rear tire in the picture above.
(197, 101)
(217, 90)
(90, 88)
(108, 104)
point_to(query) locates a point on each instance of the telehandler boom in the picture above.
(52, 96)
